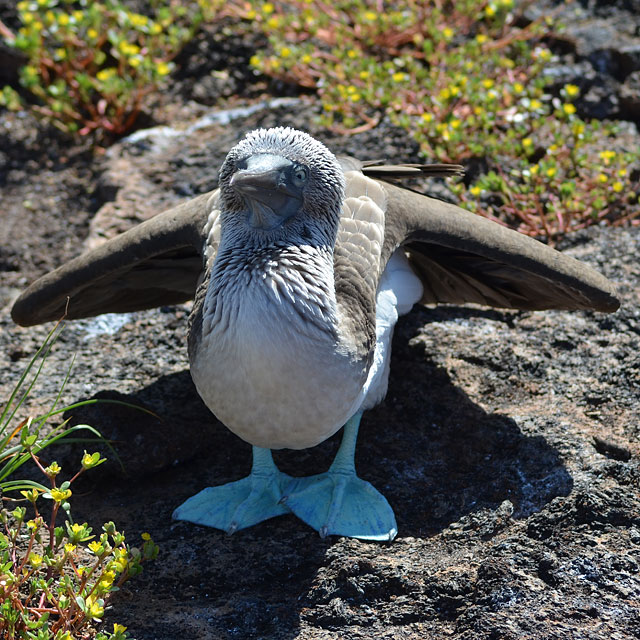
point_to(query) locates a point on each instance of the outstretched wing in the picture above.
(461, 257)
(156, 263)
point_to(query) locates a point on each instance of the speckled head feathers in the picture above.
(325, 191)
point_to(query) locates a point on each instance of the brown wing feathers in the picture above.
(459, 256)
(462, 257)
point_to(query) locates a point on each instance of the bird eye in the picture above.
(301, 173)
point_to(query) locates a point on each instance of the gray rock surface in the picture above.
(508, 444)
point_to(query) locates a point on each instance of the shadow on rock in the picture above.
(442, 459)
(162, 425)
(437, 456)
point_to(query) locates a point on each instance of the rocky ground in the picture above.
(508, 444)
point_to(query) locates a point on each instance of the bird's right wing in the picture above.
(153, 264)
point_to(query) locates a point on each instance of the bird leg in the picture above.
(240, 504)
(338, 502)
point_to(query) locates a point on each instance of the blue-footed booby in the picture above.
(299, 265)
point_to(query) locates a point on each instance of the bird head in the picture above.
(276, 182)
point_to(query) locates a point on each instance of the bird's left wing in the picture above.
(156, 263)
(461, 257)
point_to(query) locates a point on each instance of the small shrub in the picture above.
(55, 577)
(55, 580)
(92, 64)
(468, 81)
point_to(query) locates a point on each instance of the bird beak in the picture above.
(265, 186)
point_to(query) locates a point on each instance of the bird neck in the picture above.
(278, 279)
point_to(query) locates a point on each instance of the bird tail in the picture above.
(380, 171)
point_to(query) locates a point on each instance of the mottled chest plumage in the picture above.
(269, 361)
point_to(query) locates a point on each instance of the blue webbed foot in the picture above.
(240, 504)
(340, 503)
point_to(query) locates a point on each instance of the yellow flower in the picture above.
(162, 68)
(95, 608)
(475, 190)
(352, 53)
(155, 29)
(267, 8)
(398, 76)
(534, 169)
(92, 33)
(370, 16)
(104, 74)
(53, 469)
(355, 97)
(481, 38)
(577, 128)
(285, 52)
(95, 546)
(427, 117)
(306, 59)
(622, 172)
(364, 75)
(602, 177)
(607, 155)
(146, 536)
(273, 22)
(138, 20)
(535, 104)
(490, 11)
(60, 495)
(447, 32)
(31, 495)
(28, 17)
(254, 61)
(527, 143)
(617, 186)
(445, 93)
(551, 171)
(107, 580)
(134, 62)
(569, 108)
(572, 90)
(518, 87)
(61, 53)
(250, 15)
(69, 548)
(35, 560)
(455, 124)
(487, 83)
(543, 54)
(64, 19)
(77, 15)
(118, 628)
